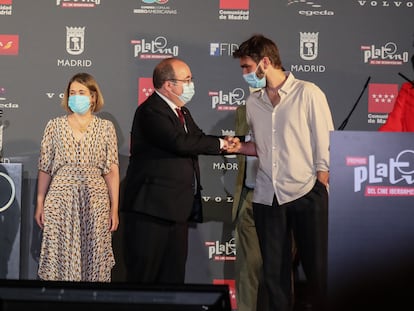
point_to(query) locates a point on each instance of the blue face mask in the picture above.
(79, 103)
(253, 81)
(188, 92)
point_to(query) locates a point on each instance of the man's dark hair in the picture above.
(257, 47)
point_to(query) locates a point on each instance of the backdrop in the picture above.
(339, 45)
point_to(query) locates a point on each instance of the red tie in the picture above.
(180, 116)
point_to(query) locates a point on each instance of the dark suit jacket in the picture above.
(163, 161)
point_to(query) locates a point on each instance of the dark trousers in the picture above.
(155, 250)
(307, 219)
(250, 290)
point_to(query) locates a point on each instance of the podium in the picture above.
(371, 209)
(10, 219)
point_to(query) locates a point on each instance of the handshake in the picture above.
(232, 144)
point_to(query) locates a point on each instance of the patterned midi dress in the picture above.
(76, 242)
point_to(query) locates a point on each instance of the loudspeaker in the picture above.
(34, 295)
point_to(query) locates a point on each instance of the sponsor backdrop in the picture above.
(340, 45)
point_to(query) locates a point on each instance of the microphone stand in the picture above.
(412, 82)
(344, 123)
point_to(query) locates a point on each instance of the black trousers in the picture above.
(307, 219)
(155, 250)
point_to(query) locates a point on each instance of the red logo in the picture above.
(145, 89)
(232, 290)
(6, 2)
(234, 4)
(9, 44)
(381, 97)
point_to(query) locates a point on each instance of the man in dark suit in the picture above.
(160, 180)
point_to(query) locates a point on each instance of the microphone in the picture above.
(412, 82)
(344, 123)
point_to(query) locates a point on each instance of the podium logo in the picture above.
(8, 192)
(374, 175)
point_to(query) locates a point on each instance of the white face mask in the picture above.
(253, 81)
(188, 92)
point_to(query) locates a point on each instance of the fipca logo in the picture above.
(234, 10)
(225, 101)
(308, 51)
(6, 7)
(78, 3)
(75, 45)
(157, 48)
(223, 49)
(383, 55)
(155, 7)
(9, 44)
(310, 8)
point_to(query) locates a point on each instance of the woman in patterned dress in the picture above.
(78, 188)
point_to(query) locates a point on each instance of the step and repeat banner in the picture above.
(340, 45)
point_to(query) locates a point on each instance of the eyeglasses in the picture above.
(186, 81)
